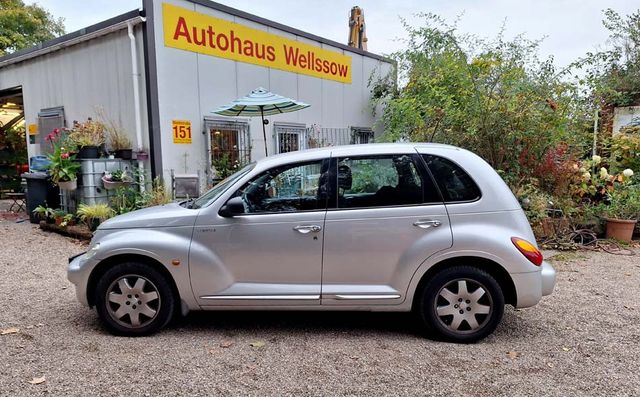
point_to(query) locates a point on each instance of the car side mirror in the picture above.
(234, 206)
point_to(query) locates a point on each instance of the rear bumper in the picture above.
(548, 275)
(532, 286)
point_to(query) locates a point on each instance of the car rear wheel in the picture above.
(134, 299)
(461, 304)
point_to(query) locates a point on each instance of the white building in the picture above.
(173, 62)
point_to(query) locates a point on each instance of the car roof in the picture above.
(353, 150)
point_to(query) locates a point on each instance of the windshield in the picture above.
(215, 192)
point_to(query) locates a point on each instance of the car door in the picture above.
(272, 253)
(388, 218)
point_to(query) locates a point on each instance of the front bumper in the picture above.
(78, 273)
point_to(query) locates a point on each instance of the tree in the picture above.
(496, 98)
(613, 74)
(23, 26)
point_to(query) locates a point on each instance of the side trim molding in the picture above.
(345, 297)
(261, 297)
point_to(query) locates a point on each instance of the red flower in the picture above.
(48, 137)
(56, 131)
(64, 156)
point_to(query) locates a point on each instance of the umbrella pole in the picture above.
(264, 131)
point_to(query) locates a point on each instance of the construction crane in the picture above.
(357, 29)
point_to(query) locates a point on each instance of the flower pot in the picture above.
(68, 185)
(620, 229)
(141, 156)
(89, 152)
(111, 185)
(59, 220)
(124, 154)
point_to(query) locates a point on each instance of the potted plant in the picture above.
(62, 167)
(58, 216)
(67, 220)
(622, 212)
(94, 215)
(142, 155)
(115, 179)
(88, 137)
(119, 142)
(44, 213)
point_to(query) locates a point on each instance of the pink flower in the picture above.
(56, 131)
(64, 156)
(48, 137)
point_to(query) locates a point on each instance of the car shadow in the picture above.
(286, 323)
(236, 322)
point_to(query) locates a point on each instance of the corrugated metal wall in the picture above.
(82, 78)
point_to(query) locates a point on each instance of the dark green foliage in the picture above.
(23, 26)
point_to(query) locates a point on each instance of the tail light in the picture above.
(528, 250)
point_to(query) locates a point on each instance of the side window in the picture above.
(454, 183)
(381, 181)
(290, 188)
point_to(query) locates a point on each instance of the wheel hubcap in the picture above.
(133, 301)
(463, 305)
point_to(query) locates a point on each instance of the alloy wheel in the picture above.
(133, 301)
(463, 305)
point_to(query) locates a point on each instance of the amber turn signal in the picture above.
(528, 250)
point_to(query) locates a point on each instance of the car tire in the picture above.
(461, 304)
(134, 299)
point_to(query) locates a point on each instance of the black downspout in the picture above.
(151, 83)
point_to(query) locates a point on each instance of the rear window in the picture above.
(454, 183)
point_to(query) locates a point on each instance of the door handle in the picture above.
(304, 229)
(427, 223)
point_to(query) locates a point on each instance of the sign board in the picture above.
(192, 31)
(33, 129)
(181, 131)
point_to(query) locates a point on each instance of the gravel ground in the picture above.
(583, 340)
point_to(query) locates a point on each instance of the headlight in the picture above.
(92, 251)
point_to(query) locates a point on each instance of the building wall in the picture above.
(95, 74)
(192, 85)
(623, 116)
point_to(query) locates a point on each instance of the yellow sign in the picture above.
(204, 34)
(181, 131)
(33, 129)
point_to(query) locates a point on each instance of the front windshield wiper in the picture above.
(190, 203)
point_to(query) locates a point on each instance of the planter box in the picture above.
(111, 185)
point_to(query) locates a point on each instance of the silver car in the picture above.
(384, 227)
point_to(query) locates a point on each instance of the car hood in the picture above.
(168, 215)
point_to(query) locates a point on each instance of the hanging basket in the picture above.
(111, 185)
(68, 185)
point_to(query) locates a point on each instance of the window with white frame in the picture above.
(229, 143)
(290, 137)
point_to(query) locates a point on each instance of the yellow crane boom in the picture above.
(357, 29)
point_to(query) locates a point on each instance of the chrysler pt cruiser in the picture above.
(426, 228)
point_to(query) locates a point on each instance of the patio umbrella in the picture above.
(261, 103)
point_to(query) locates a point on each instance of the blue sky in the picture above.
(570, 28)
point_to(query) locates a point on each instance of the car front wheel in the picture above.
(461, 304)
(134, 299)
